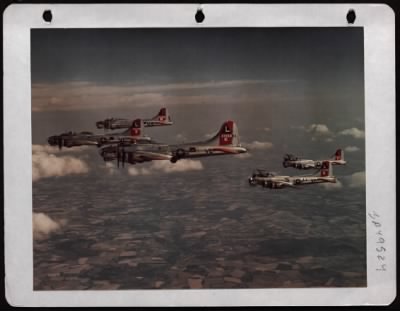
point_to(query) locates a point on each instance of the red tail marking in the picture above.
(226, 133)
(136, 127)
(325, 169)
(162, 115)
(338, 154)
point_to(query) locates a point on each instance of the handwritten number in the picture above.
(381, 249)
(381, 240)
(381, 257)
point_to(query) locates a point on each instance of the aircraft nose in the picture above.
(252, 181)
(100, 124)
(52, 140)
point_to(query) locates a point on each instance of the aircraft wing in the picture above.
(284, 183)
(148, 155)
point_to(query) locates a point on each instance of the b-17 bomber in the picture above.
(291, 161)
(272, 181)
(161, 119)
(133, 147)
(72, 139)
(225, 142)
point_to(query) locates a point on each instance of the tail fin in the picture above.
(162, 116)
(326, 169)
(136, 128)
(339, 155)
(228, 135)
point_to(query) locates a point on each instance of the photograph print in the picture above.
(186, 158)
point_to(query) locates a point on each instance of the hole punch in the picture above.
(199, 16)
(351, 16)
(47, 16)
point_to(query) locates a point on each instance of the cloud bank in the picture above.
(46, 164)
(79, 95)
(351, 149)
(322, 132)
(53, 149)
(332, 186)
(43, 226)
(353, 132)
(258, 145)
(243, 155)
(357, 180)
(319, 129)
(135, 171)
(164, 166)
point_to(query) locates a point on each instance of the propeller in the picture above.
(121, 155)
(118, 156)
(60, 143)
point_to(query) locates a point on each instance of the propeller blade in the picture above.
(118, 156)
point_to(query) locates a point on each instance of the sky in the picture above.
(284, 77)
(299, 89)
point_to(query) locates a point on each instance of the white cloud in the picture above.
(53, 149)
(165, 166)
(351, 149)
(258, 145)
(43, 225)
(78, 95)
(180, 166)
(243, 155)
(181, 137)
(45, 164)
(135, 171)
(357, 180)
(332, 186)
(319, 129)
(319, 132)
(110, 168)
(354, 132)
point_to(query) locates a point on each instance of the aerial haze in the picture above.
(197, 223)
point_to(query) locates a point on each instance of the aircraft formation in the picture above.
(131, 146)
(324, 173)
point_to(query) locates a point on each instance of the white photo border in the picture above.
(378, 22)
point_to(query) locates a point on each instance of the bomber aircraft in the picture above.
(226, 141)
(291, 161)
(273, 181)
(72, 139)
(161, 119)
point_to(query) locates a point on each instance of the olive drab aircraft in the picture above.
(291, 161)
(273, 181)
(161, 119)
(132, 134)
(225, 142)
